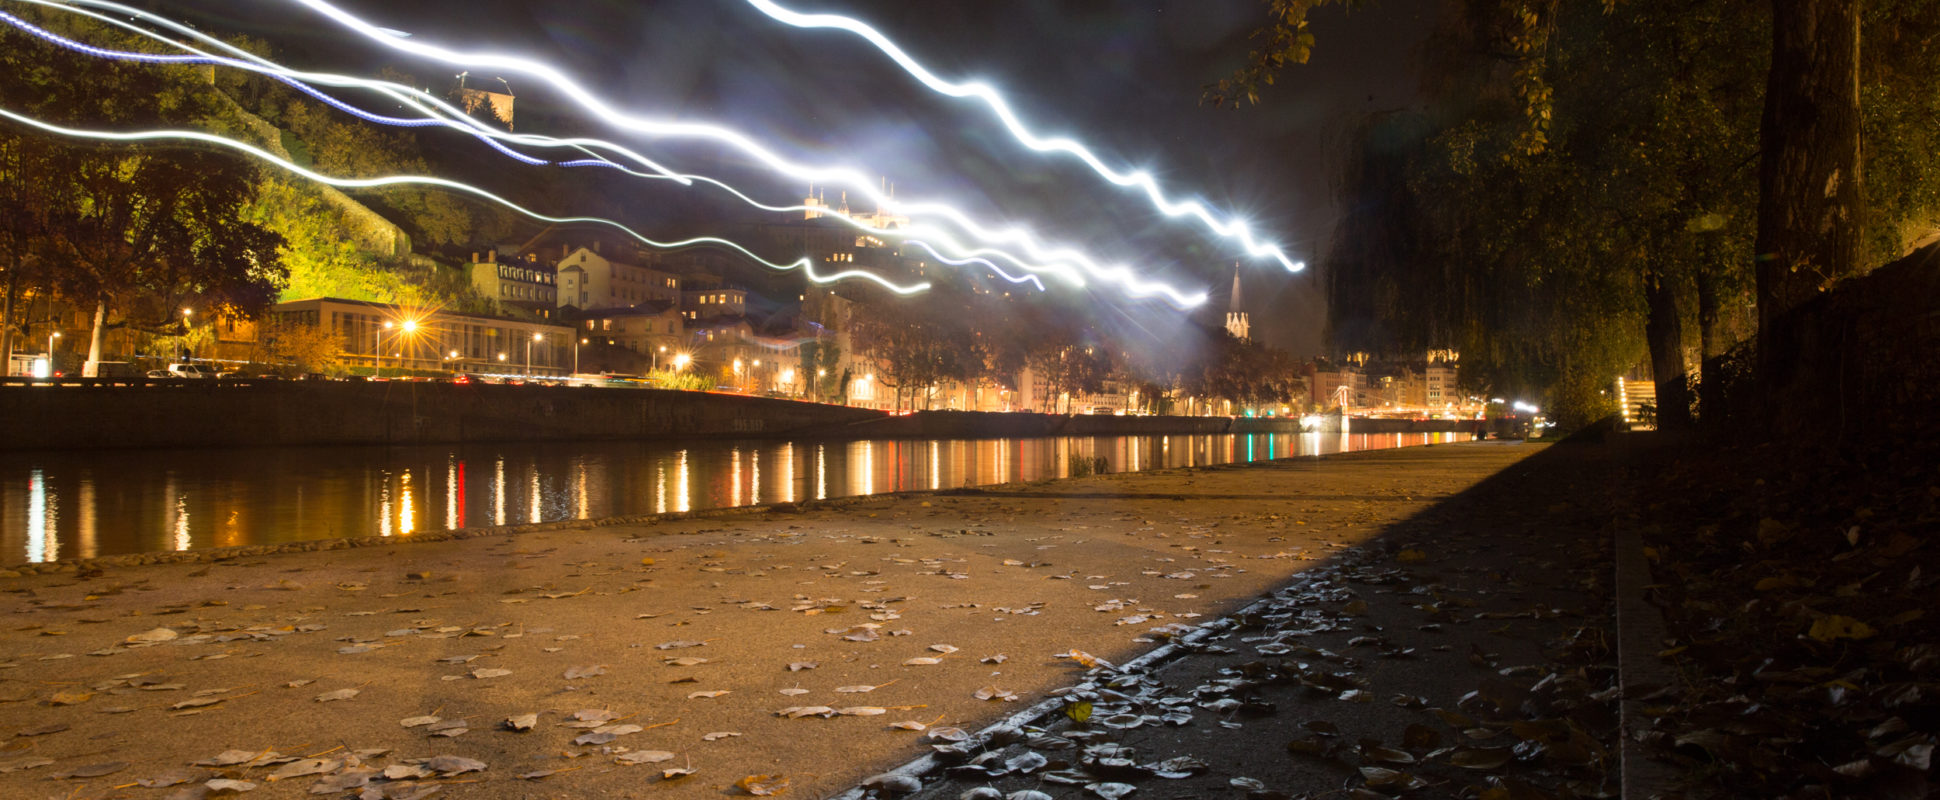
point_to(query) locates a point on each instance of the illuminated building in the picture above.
(1237, 322)
(523, 283)
(421, 339)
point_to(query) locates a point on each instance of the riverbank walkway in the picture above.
(1427, 619)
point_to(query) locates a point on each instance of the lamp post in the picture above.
(183, 343)
(50, 352)
(576, 345)
(528, 352)
(656, 357)
(377, 352)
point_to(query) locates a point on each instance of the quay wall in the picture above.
(985, 425)
(88, 414)
(1859, 362)
(209, 413)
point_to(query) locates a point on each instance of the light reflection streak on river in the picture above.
(82, 505)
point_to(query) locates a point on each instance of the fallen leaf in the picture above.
(69, 698)
(228, 786)
(453, 765)
(762, 785)
(1834, 626)
(1481, 758)
(152, 636)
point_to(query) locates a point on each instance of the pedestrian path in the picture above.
(1464, 651)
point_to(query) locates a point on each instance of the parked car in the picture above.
(108, 369)
(160, 373)
(190, 371)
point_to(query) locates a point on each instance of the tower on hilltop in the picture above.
(1236, 321)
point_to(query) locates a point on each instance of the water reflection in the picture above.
(55, 506)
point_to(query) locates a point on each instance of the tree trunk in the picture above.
(1664, 330)
(6, 315)
(1709, 343)
(1809, 200)
(100, 326)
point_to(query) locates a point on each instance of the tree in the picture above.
(1809, 207)
(26, 200)
(305, 348)
(915, 343)
(136, 228)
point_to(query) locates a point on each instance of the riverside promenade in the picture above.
(1412, 618)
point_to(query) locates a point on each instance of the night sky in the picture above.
(1124, 77)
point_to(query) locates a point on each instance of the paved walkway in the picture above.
(1465, 651)
(618, 660)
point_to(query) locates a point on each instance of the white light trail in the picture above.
(802, 264)
(1230, 228)
(565, 85)
(438, 112)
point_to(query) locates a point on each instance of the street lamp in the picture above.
(582, 340)
(656, 357)
(377, 352)
(528, 351)
(681, 360)
(50, 353)
(183, 343)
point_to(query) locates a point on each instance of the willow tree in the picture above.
(1728, 177)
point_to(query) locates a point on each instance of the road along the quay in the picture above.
(793, 650)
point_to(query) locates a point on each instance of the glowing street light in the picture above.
(576, 345)
(681, 360)
(528, 351)
(50, 354)
(183, 342)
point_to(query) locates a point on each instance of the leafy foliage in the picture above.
(137, 229)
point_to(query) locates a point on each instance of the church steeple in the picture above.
(1236, 322)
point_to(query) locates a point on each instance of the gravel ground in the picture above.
(635, 659)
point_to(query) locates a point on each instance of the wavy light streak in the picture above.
(260, 154)
(1231, 228)
(856, 180)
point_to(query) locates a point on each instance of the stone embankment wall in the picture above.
(1862, 361)
(199, 413)
(984, 425)
(227, 414)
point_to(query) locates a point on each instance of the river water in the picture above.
(81, 505)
